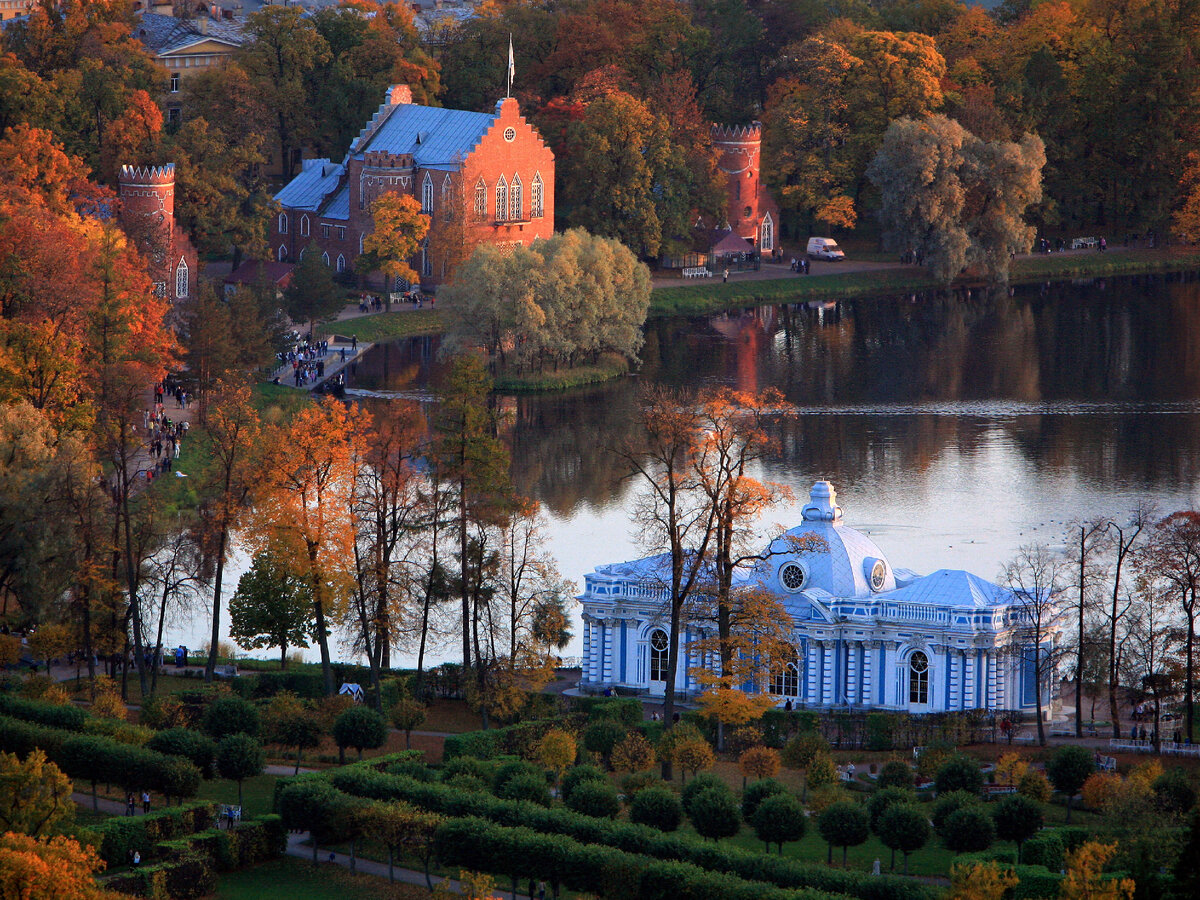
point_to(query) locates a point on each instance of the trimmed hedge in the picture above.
(68, 718)
(120, 835)
(516, 739)
(624, 836)
(188, 866)
(523, 853)
(100, 759)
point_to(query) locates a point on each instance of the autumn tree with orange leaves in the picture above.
(59, 868)
(303, 509)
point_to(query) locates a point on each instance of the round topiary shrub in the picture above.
(526, 787)
(185, 742)
(597, 799)
(714, 813)
(467, 784)
(230, 715)
(518, 768)
(968, 830)
(959, 773)
(948, 804)
(756, 793)
(895, 773)
(778, 820)
(657, 807)
(1174, 792)
(467, 765)
(600, 737)
(698, 785)
(578, 775)
(879, 802)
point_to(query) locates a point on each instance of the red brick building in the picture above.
(490, 172)
(751, 212)
(147, 196)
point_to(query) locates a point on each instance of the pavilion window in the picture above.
(918, 678)
(658, 655)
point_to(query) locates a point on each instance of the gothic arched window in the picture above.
(181, 279)
(918, 678)
(304, 226)
(427, 195)
(535, 197)
(501, 200)
(658, 655)
(481, 199)
(341, 263)
(515, 200)
(767, 239)
(283, 223)
(282, 252)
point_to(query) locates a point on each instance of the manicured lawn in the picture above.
(388, 325)
(258, 793)
(292, 879)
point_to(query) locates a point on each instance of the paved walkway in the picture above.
(299, 846)
(334, 363)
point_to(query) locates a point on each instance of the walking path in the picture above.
(300, 847)
(340, 355)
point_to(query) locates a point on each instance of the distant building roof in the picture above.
(728, 242)
(255, 272)
(339, 206)
(316, 181)
(165, 34)
(436, 138)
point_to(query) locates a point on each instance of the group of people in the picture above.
(164, 437)
(800, 265)
(170, 386)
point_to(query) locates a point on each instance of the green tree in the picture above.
(270, 608)
(954, 199)
(968, 830)
(951, 802)
(895, 773)
(595, 798)
(904, 827)
(407, 715)
(1017, 819)
(284, 46)
(360, 728)
(1068, 769)
(755, 794)
(622, 173)
(230, 715)
(845, 824)
(714, 814)
(778, 820)
(191, 745)
(313, 296)
(884, 799)
(959, 773)
(657, 807)
(239, 756)
(290, 723)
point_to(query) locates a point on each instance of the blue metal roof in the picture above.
(435, 137)
(339, 206)
(953, 587)
(310, 188)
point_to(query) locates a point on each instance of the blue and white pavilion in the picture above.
(866, 634)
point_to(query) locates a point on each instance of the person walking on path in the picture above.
(354, 342)
(145, 803)
(129, 804)
(725, 277)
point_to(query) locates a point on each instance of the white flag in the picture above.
(512, 65)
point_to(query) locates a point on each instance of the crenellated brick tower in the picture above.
(752, 211)
(147, 196)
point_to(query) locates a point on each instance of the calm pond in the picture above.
(955, 427)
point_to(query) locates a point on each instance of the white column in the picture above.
(830, 658)
(587, 649)
(870, 677)
(816, 672)
(850, 688)
(888, 673)
(989, 668)
(606, 650)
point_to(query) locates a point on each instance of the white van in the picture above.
(824, 248)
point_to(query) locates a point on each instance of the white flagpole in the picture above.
(512, 65)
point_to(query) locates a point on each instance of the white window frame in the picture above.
(516, 201)
(501, 200)
(283, 223)
(427, 195)
(282, 254)
(537, 197)
(341, 263)
(304, 226)
(481, 199)
(181, 278)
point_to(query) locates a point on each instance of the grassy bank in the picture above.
(710, 298)
(387, 326)
(562, 380)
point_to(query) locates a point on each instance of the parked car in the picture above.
(824, 248)
(1084, 243)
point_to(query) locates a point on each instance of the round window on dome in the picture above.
(792, 576)
(510, 134)
(878, 575)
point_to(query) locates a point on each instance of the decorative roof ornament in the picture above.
(822, 504)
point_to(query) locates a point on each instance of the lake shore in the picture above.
(775, 283)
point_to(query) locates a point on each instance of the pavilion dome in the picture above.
(824, 555)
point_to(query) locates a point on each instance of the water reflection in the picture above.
(962, 423)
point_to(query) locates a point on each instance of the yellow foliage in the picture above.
(1142, 778)
(731, 705)
(981, 881)
(759, 762)
(10, 650)
(1011, 768)
(55, 695)
(820, 771)
(1084, 880)
(633, 754)
(474, 886)
(556, 750)
(693, 755)
(400, 226)
(109, 706)
(1035, 786)
(35, 795)
(825, 796)
(1099, 789)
